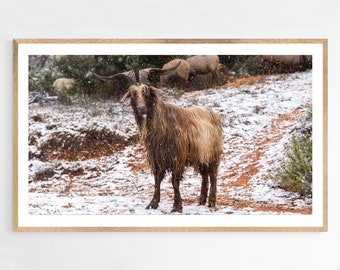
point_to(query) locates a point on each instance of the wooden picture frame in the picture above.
(66, 180)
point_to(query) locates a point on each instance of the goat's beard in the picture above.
(142, 116)
(141, 121)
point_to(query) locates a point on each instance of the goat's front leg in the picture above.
(204, 186)
(157, 192)
(177, 195)
(213, 185)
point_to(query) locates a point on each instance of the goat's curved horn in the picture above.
(144, 73)
(130, 75)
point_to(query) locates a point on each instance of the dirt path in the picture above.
(240, 175)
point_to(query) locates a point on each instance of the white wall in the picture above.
(176, 19)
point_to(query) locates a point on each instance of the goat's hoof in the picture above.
(212, 204)
(152, 206)
(202, 202)
(177, 209)
(203, 199)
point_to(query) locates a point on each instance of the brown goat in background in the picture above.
(285, 63)
(203, 64)
(63, 84)
(179, 77)
(174, 138)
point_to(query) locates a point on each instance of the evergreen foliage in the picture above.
(295, 172)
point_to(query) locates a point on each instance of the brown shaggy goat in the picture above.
(174, 138)
(285, 63)
(179, 77)
(63, 84)
(203, 64)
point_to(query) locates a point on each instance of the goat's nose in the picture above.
(142, 110)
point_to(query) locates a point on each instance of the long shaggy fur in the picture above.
(177, 137)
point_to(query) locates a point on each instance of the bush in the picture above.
(242, 65)
(41, 74)
(295, 172)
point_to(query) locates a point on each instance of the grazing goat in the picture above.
(174, 137)
(179, 77)
(203, 64)
(63, 84)
(285, 63)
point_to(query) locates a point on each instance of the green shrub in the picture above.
(295, 172)
(41, 74)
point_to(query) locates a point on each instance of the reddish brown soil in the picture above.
(236, 83)
(94, 150)
(252, 158)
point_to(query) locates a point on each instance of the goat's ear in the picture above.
(156, 90)
(125, 97)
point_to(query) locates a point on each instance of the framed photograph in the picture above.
(170, 135)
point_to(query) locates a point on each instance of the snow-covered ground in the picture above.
(84, 159)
